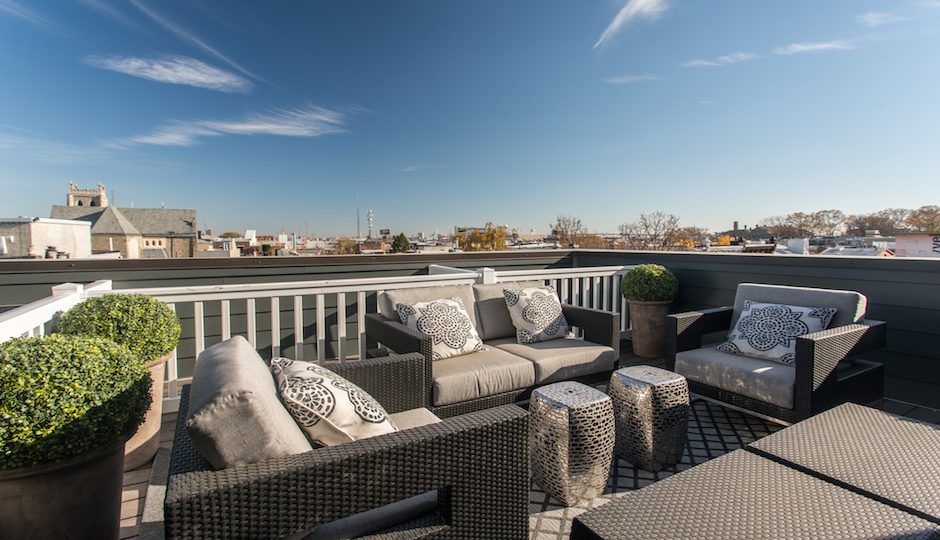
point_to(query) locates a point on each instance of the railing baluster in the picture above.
(172, 373)
(299, 327)
(361, 322)
(252, 323)
(275, 326)
(341, 326)
(226, 320)
(321, 328)
(200, 327)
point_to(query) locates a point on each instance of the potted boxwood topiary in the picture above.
(68, 405)
(150, 330)
(649, 288)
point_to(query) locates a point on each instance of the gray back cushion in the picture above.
(388, 299)
(850, 305)
(494, 321)
(235, 416)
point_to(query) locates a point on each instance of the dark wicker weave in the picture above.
(881, 455)
(742, 495)
(821, 383)
(601, 327)
(477, 462)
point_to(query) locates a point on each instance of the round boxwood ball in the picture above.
(143, 324)
(62, 396)
(649, 283)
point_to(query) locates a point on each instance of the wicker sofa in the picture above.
(508, 371)
(464, 477)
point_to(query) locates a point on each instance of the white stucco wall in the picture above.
(66, 236)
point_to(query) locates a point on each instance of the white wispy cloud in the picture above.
(112, 13)
(187, 36)
(796, 48)
(723, 60)
(700, 62)
(303, 122)
(633, 10)
(173, 70)
(412, 168)
(29, 15)
(627, 79)
(877, 19)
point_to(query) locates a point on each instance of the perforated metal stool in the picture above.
(651, 410)
(571, 436)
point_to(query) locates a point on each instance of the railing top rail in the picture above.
(591, 271)
(290, 288)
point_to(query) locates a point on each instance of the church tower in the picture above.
(87, 197)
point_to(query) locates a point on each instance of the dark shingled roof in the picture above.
(132, 221)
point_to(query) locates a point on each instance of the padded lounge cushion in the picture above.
(560, 359)
(389, 299)
(481, 374)
(235, 416)
(766, 380)
(492, 312)
(850, 306)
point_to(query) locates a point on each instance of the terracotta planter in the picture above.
(141, 448)
(648, 321)
(77, 498)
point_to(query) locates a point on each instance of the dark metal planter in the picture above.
(75, 499)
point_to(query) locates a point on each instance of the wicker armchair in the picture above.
(478, 464)
(826, 371)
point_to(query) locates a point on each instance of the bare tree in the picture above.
(568, 230)
(829, 222)
(887, 222)
(925, 219)
(657, 230)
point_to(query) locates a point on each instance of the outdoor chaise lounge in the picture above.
(464, 477)
(507, 371)
(824, 371)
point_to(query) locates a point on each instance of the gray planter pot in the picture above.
(648, 323)
(141, 448)
(74, 499)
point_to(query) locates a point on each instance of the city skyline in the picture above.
(443, 114)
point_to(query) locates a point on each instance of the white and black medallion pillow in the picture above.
(329, 409)
(769, 331)
(536, 314)
(447, 322)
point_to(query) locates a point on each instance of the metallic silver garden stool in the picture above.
(571, 440)
(651, 408)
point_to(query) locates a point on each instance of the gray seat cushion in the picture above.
(765, 380)
(235, 416)
(850, 305)
(480, 374)
(388, 299)
(560, 359)
(492, 312)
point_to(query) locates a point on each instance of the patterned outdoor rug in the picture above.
(713, 431)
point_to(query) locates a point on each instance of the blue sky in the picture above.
(266, 115)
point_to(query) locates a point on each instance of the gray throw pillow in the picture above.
(235, 416)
